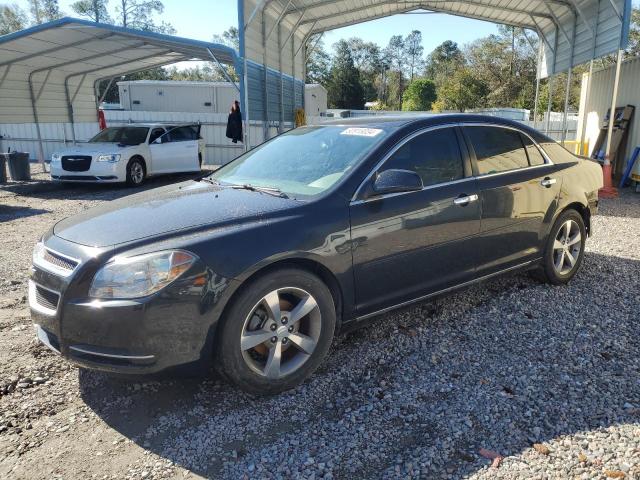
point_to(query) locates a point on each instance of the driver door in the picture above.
(411, 244)
(176, 151)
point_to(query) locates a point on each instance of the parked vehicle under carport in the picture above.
(130, 154)
(257, 266)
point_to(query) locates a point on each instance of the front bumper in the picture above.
(171, 328)
(99, 172)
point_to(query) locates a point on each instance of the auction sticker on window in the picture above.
(361, 132)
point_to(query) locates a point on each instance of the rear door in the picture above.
(518, 193)
(410, 244)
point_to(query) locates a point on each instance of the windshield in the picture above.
(305, 161)
(123, 135)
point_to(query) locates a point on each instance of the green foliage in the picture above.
(12, 19)
(95, 10)
(344, 89)
(443, 61)
(463, 92)
(419, 95)
(414, 50)
(229, 38)
(139, 14)
(318, 63)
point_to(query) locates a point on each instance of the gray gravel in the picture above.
(502, 366)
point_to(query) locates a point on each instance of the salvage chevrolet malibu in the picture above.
(256, 267)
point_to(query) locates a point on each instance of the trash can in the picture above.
(3, 169)
(19, 166)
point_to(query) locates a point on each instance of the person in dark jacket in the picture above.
(234, 123)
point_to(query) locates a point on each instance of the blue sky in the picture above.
(200, 19)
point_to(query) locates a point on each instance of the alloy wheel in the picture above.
(281, 332)
(566, 247)
(137, 173)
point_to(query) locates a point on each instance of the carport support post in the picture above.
(585, 113)
(537, 96)
(37, 122)
(550, 92)
(566, 107)
(614, 99)
(281, 118)
(265, 79)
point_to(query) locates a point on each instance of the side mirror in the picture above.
(157, 141)
(395, 180)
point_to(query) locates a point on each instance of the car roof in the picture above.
(435, 119)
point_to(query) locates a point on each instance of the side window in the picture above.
(535, 157)
(182, 134)
(434, 155)
(155, 134)
(497, 149)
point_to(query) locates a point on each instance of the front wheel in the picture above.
(565, 249)
(135, 172)
(276, 332)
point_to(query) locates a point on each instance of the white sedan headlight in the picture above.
(139, 276)
(109, 158)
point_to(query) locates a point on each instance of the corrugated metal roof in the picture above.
(57, 63)
(573, 31)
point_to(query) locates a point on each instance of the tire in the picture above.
(557, 267)
(136, 172)
(249, 320)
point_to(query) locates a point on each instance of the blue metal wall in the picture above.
(291, 100)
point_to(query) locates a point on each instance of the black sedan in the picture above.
(256, 267)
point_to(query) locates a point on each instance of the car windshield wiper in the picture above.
(276, 192)
(209, 180)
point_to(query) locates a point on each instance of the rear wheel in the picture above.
(136, 172)
(276, 332)
(565, 249)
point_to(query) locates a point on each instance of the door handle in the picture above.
(547, 182)
(465, 199)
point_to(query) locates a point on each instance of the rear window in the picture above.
(497, 149)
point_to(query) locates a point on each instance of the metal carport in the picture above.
(50, 73)
(274, 35)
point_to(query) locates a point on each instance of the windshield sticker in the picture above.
(361, 132)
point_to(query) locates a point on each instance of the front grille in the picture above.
(76, 163)
(59, 261)
(46, 298)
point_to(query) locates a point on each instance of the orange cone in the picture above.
(608, 190)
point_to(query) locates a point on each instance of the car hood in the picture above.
(168, 209)
(94, 149)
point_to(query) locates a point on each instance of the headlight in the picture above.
(109, 158)
(139, 276)
(55, 158)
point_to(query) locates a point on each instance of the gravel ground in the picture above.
(546, 379)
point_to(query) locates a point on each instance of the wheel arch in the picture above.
(312, 266)
(583, 210)
(138, 156)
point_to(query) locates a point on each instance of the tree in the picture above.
(419, 95)
(395, 53)
(366, 58)
(463, 92)
(414, 50)
(95, 10)
(344, 89)
(51, 10)
(318, 63)
(35, 8)
(229, 38)
(139, 14)
(443, 61)
(12, 19)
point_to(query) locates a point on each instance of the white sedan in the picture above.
(130, 154)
